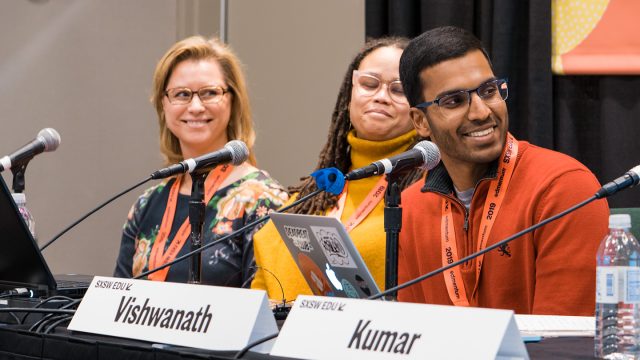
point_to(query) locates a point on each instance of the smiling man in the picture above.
(489, 186)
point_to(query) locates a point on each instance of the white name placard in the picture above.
(339, 328)
(199, 316)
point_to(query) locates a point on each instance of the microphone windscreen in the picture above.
(635, 174)
(50, 138)
(330, 180)
(239, 151)
(431, 154)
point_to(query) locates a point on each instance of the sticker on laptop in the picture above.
(317, 282)
(333, 247)
(349, 289)
(300, 237)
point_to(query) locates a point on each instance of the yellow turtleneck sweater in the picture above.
(369, 237)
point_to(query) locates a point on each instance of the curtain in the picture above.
(591, 118)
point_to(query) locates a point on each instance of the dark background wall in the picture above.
(592, 118)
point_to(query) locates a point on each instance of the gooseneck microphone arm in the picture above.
(235, 151)
(230, 235)
(92, 212)
(483, 251)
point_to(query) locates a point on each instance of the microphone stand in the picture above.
(196, 219)
(18, 177)
(392, 227)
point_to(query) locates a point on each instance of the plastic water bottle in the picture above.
(21, 202)
(618, 292)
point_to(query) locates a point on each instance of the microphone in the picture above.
(47, 140)
(234, 152)
(424, 154)
(330, 180)
(629, 179)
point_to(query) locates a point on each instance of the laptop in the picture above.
(21, 263)
(326, 256)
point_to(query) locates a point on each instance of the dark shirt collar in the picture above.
(438, 179)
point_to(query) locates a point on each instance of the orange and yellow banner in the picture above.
(592, 37)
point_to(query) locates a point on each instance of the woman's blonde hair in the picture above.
(240, 125)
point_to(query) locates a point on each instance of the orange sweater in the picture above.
(549, 271)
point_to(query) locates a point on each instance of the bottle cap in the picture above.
(19, 198)
(620, 221)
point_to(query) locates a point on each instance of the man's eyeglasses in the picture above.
(207, 94)
(457, 103)
(369, 85)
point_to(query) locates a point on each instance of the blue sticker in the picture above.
(349, 289)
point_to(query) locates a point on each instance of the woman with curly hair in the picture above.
(370, 122)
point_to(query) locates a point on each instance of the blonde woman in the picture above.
(200, 96)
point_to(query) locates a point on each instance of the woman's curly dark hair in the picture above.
(335, 152)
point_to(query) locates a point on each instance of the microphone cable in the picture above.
(37, 310)
(284, 300)
(62, 310)
(278, 306)
(92, 212)
(49, 299)
(59, 321)
(226, 237)
(483, 251)
(280, 310)
(15, 317)
(244, 350)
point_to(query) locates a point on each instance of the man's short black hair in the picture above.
(431, 48)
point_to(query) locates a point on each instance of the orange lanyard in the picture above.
(159, 256)
(493, 202)
(366, 207)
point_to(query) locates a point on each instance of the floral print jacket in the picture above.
(230, 263)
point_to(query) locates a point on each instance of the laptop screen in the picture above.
(21, 263)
